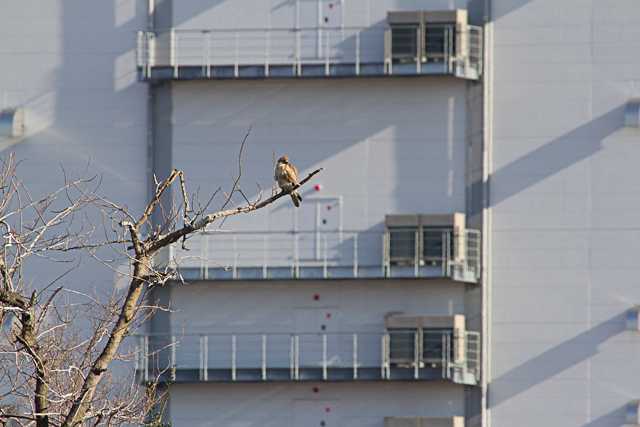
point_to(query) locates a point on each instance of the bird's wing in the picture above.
(291, 173)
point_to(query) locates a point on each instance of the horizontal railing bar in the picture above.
(273, 29)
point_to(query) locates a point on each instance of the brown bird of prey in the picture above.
(286, 175)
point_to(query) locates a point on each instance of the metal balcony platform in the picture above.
(317, 255)
(286, 53)
(281, 357)
(252, 375)
(308, 71)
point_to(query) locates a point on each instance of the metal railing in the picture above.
(326, 254)
(320, 356)
(295, 48)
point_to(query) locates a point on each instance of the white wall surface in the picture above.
(71, 65)
(386, 145)
(564, 196)
(199, 14)
(297, 405)
(356, 306)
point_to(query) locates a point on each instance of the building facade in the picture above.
(461, 260)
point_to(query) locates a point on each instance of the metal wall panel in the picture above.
(562, 193)
(350, 405)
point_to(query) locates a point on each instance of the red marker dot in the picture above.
(316, 389)
(316, 297)
(317, 187)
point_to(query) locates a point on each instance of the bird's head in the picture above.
(283, 159)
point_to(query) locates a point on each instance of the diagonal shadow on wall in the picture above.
(553, 361)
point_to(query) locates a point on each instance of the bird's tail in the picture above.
(297, 198)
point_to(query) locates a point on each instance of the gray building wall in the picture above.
(564, 197)
(71, 66)
(304, 405)
(387, 146)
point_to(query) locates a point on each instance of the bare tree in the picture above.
(54, 370)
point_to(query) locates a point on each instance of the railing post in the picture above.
(298, 64)
(326, 52)
(416, 355)
(264, 357)
(140, 49)
(297, 357)
(355, 255)
(295, 273)
(419, 53)
(324, 356)
(358, 53)
(386, 264)
(445, 253)
(385, 368)
(208, 54)
(416, 252)
(174, 52)
(233, 357)
(234, 270)
(150, 50)
(267, 51)
(355, 356)
(204, 357)
(292, 363)
(265, 255)
(173, 358)
(325, 268)
(204, 257)
(236, 68)
(388, 63)
(443, 356)
(144, 356)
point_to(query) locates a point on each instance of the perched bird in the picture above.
(286, 175)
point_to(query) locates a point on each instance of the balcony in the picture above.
(310, 357)
(319, 52)
(328, 255)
